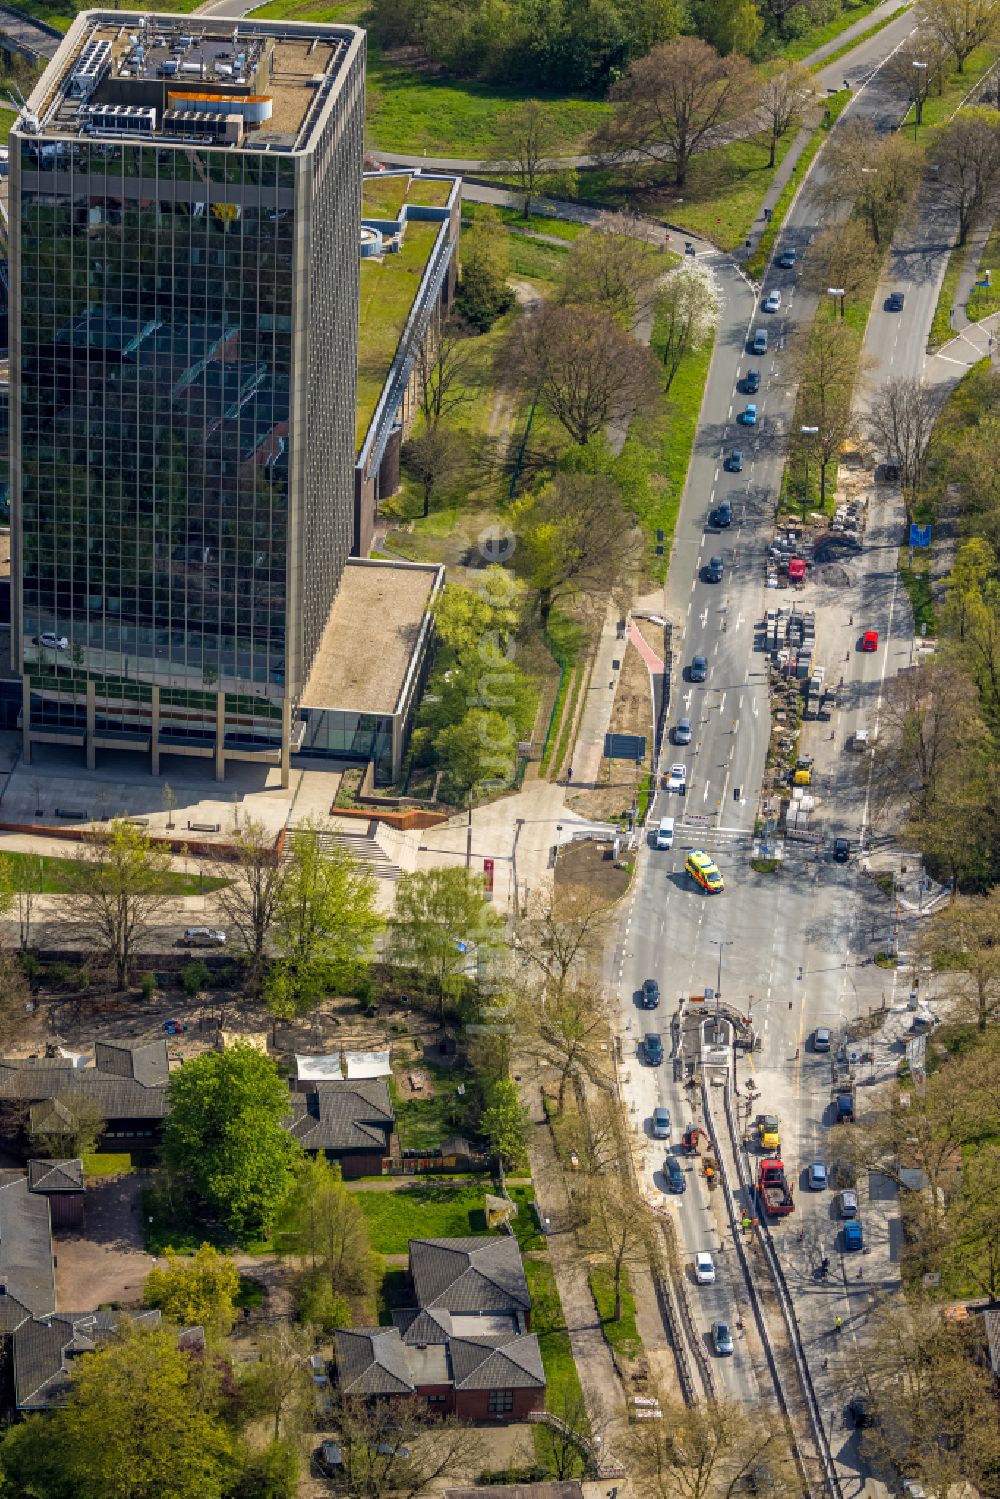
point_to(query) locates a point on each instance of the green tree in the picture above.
(332, 1230)
(66, 1126)
(478, 753)
(279, 1385)
(142, 1422)
(576, 539)
(438, 458)
(685, 309)
(117, 889)
(731, 26)
(611, 267)
(463, 616)
(253, 872)
(225, 1135)
(440, 915)
(325, 922)
(195, 1289)
(484, 292)
(506, 1122)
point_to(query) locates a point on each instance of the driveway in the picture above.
(107, 1261)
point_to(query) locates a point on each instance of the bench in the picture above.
(204, 827)
(75, 815)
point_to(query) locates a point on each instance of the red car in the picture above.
(869, 640)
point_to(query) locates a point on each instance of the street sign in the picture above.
(625, 747)
(920, 536)
(488, 875)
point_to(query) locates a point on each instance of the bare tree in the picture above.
(917, 68)
(874, 173)
(931, 726)
(963, 942)
(618, 1227)
(823, 359)
(528, 135)
(279, 1384)
(576, 538)
(560, 1446)
(556, 946)
(703, 1451)
(782, 99)
(676, 102)
(841, 256)
(253, 873)
(685, 309)
(613, 267)
(568, 1032)
(960, 25)
(445, 369)
(967, 155)
(586, 369)
(118, 889)
(438, 458)
(899, 422)
(15, 994)
(395, 1448)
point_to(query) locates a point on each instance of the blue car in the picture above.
(853, 1238)
(817, 1176)
(748, 416)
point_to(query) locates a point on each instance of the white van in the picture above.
(665, 833)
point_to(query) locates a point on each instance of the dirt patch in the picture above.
(107, 1261)
(414, 1083)
(632, 713)
(584, 869)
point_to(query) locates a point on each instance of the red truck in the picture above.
(773, 1189)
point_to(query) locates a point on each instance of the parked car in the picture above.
(714, 570)
(759, 343)
(650, 994)
(676, 1180)
(751, 382)
(847, 1204)
(652, 1047)
(821, 1039)
(817, 1176)
(852, 1237)
(787, 258)
(844, 1108)
(52, 642)
(203, 936)
(722, 1338)
(698, 670)
(748, 416)
(894, 302)
(869, 640)
(661, 1123)
(734, 462)
(772, 302)
(722, 515)
(677, 778)
(841, 850)
(704, 1269)
(682, 731)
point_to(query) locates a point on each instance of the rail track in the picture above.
(783, 1349)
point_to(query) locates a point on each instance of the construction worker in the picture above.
(838, 1325)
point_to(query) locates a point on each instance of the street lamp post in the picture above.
(720, 943)
(807, 432)
(918, 99)
(835, 292)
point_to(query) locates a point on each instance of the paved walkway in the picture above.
(976, 341)
(971, 252)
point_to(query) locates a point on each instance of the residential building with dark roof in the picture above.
(127, 1084)
(349, 1121)
(465, 1347)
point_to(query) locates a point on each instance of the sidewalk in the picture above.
(596, 715)
(971, 253)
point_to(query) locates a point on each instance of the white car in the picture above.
(203, 936)
(772, 302)
(704, 1269)
(677, 778)
(53, 642)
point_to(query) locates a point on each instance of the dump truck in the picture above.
(773, 1189)
(766, 1132)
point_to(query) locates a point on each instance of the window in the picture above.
(501, 1402)
(435, 1399)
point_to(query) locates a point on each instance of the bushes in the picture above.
(194, 977)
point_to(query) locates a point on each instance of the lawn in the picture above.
(108, 1165)
(422, 1123)
(537, 223)
(62, 13)
(55, 876)
(984, 300)
(439, 1210)
(917, 582)
(941, 329)
(622, 1335)
(549, 1325)
(388, 290)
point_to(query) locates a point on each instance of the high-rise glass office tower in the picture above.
(184, 224)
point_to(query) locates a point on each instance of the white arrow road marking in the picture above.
(704, 617)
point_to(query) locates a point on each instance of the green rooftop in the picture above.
(388, 291)
(383, 196)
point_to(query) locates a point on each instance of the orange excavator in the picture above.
(690, 1137)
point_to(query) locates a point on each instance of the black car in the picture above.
(650, 994)
(734, 463)
(714, 570)
(894, 302)
(652, 1046)
(751, 382)
(841, 850)
(722, 515)
(787, 259)
(698, 669)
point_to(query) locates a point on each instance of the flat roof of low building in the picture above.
(389, 286)
(371, 636)
(136, 75)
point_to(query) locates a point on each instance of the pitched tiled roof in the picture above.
(26, 1269)
(44, 1348)
(116, 1097)
(55, 1176)
(144, 1061)
(371, 1361)
(515, 1365)
(470, 1274)
(345, 1115)
(417, 1325)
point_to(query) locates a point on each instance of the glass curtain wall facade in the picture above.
(183, 386)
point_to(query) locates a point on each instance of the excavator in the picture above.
(690, 1137)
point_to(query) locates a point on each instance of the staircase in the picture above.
(362, 846)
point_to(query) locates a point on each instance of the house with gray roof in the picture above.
(349, 1120)
(465, 1347)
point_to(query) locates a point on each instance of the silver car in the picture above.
(682, 731)
(848, 1203)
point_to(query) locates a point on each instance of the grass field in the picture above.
(985, 300)
(440, 1210)
(622, 1334)
(549, 1324)
(55, 876)
(108, 1165)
